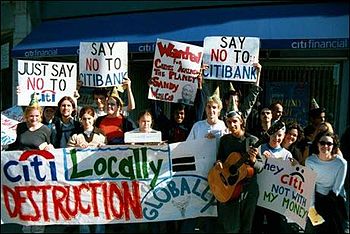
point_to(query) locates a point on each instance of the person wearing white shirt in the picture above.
(211, 128)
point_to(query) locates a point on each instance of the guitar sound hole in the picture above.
(232, 169)
(232, 179)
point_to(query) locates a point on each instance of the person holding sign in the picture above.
(272, 149)
(329, 197)
(145, 122)
(114, 124)
(236, 214)
(131, 101)
(183, 116)
(100, 96)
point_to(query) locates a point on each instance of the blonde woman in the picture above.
(32, 134)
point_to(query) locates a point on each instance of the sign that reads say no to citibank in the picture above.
(231, 58)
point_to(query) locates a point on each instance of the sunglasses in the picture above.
(265, 113)
(326, 143)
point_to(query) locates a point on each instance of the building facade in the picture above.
(304, 46)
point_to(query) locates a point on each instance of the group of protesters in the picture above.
(316, 146)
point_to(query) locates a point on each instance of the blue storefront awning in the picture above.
(295, 26)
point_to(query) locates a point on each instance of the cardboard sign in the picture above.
(286, 189)
(175, 69)
(103, 64)
(139, 137)
(50, 81)
(231, 58)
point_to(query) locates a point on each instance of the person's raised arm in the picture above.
(127, 87)
(199, 103)
(250, 99)
(258, 72)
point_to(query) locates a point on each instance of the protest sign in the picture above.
(176, 66)
(231, 58)
(113, 184)
(8, 130)
(9, 120)
(286, 189)
(50, 81)
(103, 64)
(15, 113)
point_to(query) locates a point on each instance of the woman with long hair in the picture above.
(329, 196)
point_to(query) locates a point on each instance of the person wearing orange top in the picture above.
(114, 124)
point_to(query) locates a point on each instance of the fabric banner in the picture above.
(113, 184)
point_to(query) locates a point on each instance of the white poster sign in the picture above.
(103, 64)
(176, 66)
(286, 189)
(231, 58)
(50, 81)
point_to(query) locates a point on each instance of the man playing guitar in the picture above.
(236, 214)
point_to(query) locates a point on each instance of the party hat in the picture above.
(216, 98)
(34, 102)
(231, 87)
(314, 104)
(216, 93)
(120, 88)
(232, 110)
(114, 93)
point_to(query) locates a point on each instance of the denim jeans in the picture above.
(99, 228)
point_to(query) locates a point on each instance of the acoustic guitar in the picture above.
(225, 179)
